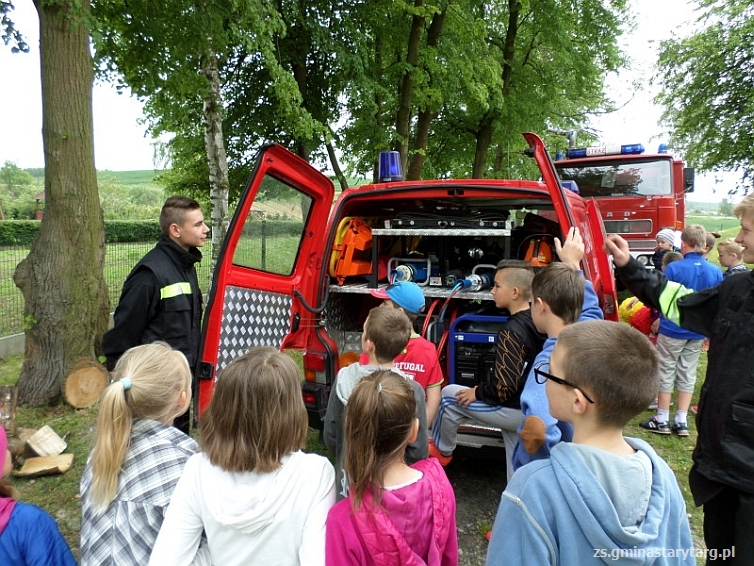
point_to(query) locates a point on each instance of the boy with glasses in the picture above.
(560, 297)
(603, 495)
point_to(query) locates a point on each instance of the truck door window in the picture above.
(273, 229)
(633, 178)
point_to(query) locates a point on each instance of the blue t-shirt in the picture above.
(696, 273)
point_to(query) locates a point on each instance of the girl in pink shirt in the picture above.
(395, 514)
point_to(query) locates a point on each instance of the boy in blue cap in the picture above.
(419, 358)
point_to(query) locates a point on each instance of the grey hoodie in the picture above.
(348, 378)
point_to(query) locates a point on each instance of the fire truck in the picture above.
(445, 235)
(639, 194)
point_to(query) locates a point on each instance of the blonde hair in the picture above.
(148, 383)
(695, 236)
(745, 207)
(256, 415)
(378, 422)
(729, 245)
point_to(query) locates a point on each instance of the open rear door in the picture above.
(572, 210)
(269, 265)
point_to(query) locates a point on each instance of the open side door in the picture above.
(572, 210)
(600, 265)
(550, 177)
(265, 282)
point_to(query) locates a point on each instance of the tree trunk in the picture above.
(217, 159)
(65, 298)
(487, 126)
(342, 181)
(426, 114)
(406, 90)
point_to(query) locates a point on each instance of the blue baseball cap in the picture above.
(405, 294)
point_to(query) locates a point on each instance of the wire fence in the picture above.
(119, 260)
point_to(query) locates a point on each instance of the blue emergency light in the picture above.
(390, 167)
(630, 149)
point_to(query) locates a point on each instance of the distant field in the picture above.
(714, 223)
(128, 177)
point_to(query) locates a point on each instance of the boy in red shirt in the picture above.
(419, 359)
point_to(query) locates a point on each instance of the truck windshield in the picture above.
(619, 178)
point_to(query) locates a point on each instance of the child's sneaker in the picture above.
(681, 429)
(434, 452)
(653, 425)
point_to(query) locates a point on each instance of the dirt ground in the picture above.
(478, 479)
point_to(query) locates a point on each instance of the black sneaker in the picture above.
(681, 429)
(653, 425)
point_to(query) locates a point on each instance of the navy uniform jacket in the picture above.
(724, 453)
(160, 300)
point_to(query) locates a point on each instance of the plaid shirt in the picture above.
(125, 532)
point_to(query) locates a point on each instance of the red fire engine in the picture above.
(639, 194)
(445, 235)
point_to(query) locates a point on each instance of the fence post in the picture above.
(264, 244)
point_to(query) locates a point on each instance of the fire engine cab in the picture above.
(446, 235)
(639, 194)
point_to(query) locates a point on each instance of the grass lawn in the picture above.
(59, 495)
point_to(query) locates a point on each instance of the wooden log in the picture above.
(85, 383)
(8, 403)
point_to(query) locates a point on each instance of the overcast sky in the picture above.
(121, 144)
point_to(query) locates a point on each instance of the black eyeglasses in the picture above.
(541, 377)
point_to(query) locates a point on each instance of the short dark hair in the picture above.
(615, 363)
(389, 330)
(562, 288)
(174, 212)
(670, 257)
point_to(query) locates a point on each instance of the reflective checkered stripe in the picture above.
(176, 289)
(669, 300)
(252, 318)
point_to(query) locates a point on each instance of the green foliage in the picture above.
(18, 232)
(8, 32)
(11, 174)
(726, 208)
(354, 75)
(708, 89)
(22, 232)
(129, 231)
(124, 198)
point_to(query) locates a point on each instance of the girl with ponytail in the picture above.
(138, 456)
(395, 514)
